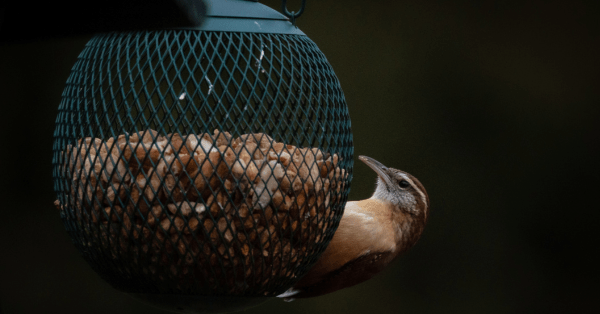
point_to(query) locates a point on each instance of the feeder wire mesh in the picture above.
(202, 163)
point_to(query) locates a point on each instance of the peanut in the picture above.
(205, 204)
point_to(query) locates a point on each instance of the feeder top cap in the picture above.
(245, 16)
(241, 9)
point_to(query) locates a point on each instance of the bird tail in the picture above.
(289, 293)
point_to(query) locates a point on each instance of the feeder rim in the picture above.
(246, 17)
(242, 9)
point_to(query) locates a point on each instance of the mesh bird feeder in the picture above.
(206, 168)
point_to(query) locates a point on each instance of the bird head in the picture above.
(399, 188)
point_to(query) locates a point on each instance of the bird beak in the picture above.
(377, 167)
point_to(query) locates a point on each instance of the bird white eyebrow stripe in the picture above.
(405, 177)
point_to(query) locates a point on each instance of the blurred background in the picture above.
(493, 105)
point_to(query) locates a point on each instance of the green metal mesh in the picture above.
(129, 93)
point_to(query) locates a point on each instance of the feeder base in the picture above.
(199, 304)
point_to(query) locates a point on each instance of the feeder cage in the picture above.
(203, 168)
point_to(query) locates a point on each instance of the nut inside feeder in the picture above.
(203, 169)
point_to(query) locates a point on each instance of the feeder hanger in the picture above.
(293, 15)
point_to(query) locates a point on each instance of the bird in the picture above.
(371, 234)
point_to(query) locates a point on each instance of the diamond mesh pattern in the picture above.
(168, 237)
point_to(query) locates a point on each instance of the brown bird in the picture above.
(371, 234)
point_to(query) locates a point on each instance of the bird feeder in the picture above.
(203, 169)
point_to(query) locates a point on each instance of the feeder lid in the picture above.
(245, 16)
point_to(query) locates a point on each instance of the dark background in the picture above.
(493, 105)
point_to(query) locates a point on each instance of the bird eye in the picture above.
(404, 184)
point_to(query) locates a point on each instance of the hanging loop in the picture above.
(292, 15)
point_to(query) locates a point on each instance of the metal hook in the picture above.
(293, 15)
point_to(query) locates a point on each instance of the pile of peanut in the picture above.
(243, 210)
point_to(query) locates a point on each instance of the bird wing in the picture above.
(352, 273)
